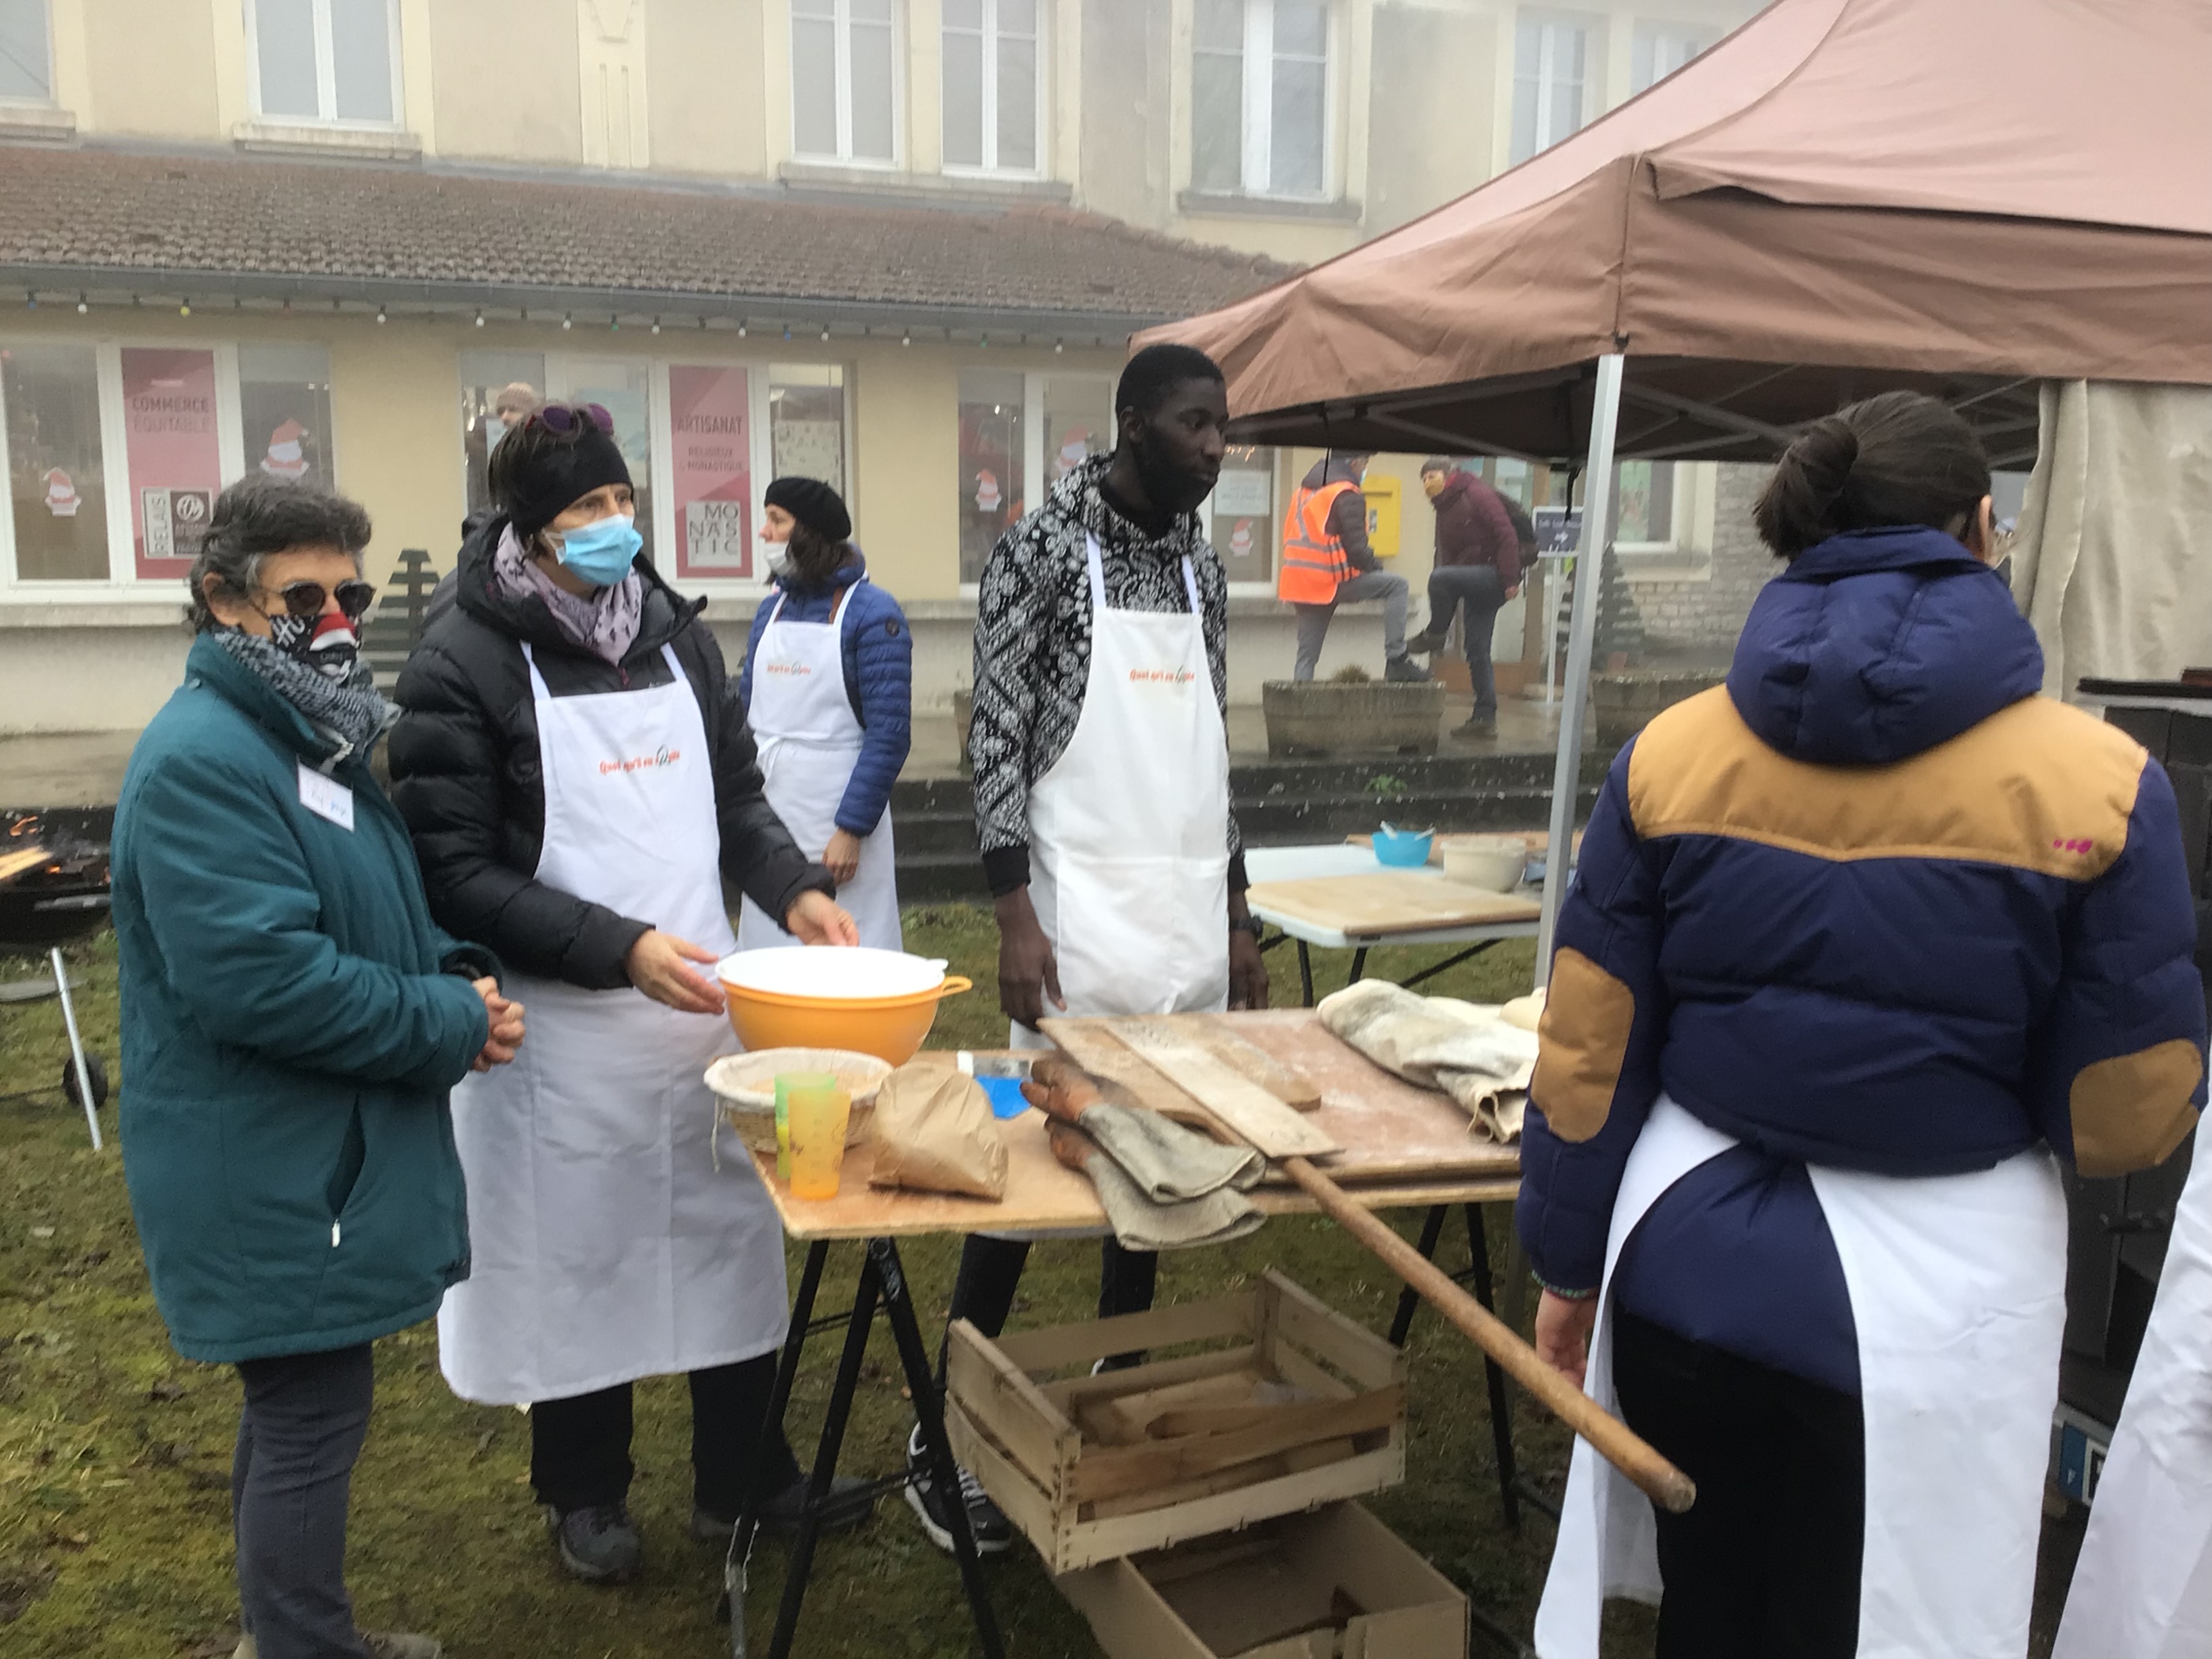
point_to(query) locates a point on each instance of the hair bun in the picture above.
(1825, 457)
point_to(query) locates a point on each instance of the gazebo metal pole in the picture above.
(1582, 635)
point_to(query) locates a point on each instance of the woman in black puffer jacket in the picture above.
(574, 767)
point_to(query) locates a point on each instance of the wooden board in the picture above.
(1293, 1088)
(1389, 901)
(1248, 1111)
(1389, 1130)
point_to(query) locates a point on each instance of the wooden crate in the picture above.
(1270, 1403)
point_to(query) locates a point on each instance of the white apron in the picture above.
(1129, 830)
(2143, 1589)
(1958, 1292)
(605, 1245)
(810, 739)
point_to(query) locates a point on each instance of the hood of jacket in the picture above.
(1329, 470)
(664, 614)
(1878, 645)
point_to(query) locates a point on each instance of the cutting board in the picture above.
(1389, 901)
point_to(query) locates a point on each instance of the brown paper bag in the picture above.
(933, 1131)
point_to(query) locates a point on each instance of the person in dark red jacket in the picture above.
(1478, 565)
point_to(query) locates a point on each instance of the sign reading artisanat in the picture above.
(710, 424)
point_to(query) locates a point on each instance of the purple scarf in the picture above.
(604, 622)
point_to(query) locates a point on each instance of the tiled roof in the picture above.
(397, 231)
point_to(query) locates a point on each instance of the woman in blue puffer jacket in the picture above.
(1858, 942)
(828, 691)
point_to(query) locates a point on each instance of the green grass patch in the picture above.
(115, 1454)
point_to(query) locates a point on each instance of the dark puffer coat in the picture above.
(465, 772)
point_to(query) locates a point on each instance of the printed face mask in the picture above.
(601, 552)
(329, 643)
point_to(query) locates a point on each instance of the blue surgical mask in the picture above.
(600, 552)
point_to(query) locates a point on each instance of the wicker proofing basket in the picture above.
(744, 1088)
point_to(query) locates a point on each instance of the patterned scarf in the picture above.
(350, 712)
(604, 622)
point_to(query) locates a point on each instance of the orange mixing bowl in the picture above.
(891, 1028)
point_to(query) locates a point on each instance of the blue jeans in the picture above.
(1479, 588)
(304, 1418)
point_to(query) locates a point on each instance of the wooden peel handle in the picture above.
(1660, 1480)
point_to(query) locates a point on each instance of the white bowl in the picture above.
(1494, 863)
(745, 1086)
(859, 975)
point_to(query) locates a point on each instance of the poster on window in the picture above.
(710, 418)
(174, 454)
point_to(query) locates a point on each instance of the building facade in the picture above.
(895, 243)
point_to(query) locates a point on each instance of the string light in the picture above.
(83, 305)
(825, 333)
(567, 323)
(786, 331)
(741, 330)
(30, 301)
(656, 325)
(906, 337)
(380, 314)
(1058, 347)
(479, 320)
(185, 309)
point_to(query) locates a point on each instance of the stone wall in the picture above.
(1699, 612)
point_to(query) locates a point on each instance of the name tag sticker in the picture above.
(326, 798)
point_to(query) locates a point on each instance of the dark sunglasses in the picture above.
(308, 598)
(564, 418)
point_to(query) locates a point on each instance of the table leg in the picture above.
(921, 1383)
(801, 1563)
(1432, 1229)
(1447, 964)
(1501, 1402)
(787, 1372)
(1358, 966)
(1305, 973)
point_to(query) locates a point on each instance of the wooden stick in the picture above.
(1664, 1484)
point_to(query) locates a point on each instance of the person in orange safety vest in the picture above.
(1327, 562)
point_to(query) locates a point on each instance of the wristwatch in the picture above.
(1251, 925)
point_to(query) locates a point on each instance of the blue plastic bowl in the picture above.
(1403, 849)
(1004, 1094)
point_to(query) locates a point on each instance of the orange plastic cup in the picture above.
(817, 1117)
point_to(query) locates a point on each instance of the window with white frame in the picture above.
(1550, 76)
(26, 53)
(994, 86)
(844, 61)
(1020, 434)
(333, 61)
(1660, 49)
(700, 434)
(115, 454)
(1260, 96)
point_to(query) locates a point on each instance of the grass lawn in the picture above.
(115, 1454)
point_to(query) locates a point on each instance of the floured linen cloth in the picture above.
(1481, 1056)
(1157, 1210)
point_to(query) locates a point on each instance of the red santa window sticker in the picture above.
(1074, 451)
(62, 499)
(1240, 540)
(286, 457)
(987, 498)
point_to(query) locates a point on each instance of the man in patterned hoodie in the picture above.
(1102, 779)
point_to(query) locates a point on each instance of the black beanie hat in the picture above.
(814, 504)
(562, 474)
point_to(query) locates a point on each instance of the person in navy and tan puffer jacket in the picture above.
(1876, 905)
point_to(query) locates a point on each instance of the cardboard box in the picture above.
(1336, 1583)
(1284, 1404)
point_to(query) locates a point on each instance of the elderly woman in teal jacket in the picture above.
(292, 1021)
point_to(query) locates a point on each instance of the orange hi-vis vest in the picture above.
(1314, 562)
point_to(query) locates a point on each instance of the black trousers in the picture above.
(991, 1272)
(304, 1420)
(1765, 1566)
(579, 1447)
(1481, 589)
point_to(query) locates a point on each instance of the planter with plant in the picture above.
(1351, 714)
